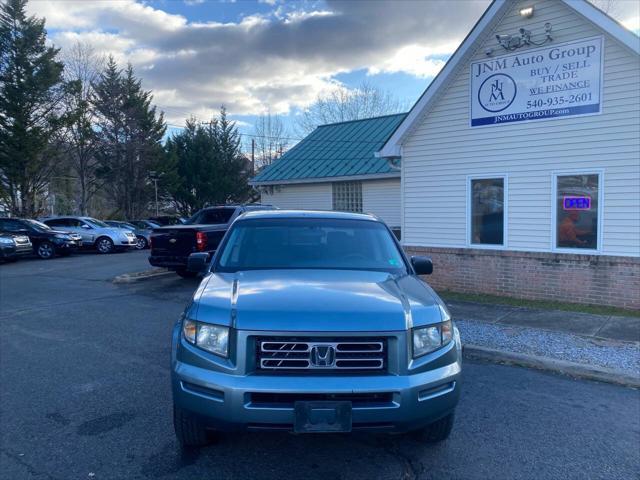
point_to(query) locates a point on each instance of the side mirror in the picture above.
(422, 265)
(198, 262)
(85, 226)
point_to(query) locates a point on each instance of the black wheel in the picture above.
(189, 431)
(438, 431)
(141, 243)
(184, 273)
(104, 245)
(46, 250)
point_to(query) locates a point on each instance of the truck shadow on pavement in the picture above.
(282, 455)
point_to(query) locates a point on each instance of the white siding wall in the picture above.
(440, 153)
(382, 198)
(306, 196)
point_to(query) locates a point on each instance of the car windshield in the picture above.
(39, 226)
(95, 222)
(211, 216)
(299, 243)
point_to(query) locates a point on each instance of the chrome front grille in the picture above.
(307, 354)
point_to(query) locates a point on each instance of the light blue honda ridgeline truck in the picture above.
(313, 322)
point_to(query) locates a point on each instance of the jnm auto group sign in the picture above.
(558, 81)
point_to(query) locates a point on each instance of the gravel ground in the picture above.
(563, 346)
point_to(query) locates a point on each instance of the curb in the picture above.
(140, 276)
(572, 369)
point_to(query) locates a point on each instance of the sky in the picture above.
(271, 55)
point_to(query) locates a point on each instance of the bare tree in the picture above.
(610, 7)
(344, 104)
(82, 68)
(270, 137)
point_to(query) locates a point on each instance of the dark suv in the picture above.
(46, 241)
(172, 245)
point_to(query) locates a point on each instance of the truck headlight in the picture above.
(212, 338)
(6, 241)
(432, 337)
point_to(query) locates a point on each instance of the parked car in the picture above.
(164, 220)
(143, 235)
(96, 233)
(314, 322)
(46, 242)
(14, 246)
(144, 224)
(172, 245)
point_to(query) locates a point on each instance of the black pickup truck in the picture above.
(172, 245)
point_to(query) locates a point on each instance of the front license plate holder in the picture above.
(322, 417)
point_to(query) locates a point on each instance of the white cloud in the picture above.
(280, 60)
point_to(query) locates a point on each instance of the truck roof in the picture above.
(321, 214)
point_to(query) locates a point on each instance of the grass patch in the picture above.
(544, 304)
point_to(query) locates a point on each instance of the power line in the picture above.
(307, 139)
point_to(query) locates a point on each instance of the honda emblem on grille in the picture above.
(323, 356)
(172, 240)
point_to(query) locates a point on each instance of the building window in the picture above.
(577, 214)
(487, 211)
(347, 196)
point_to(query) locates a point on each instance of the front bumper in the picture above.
(129, 242)
(227, 402)
(8, 252)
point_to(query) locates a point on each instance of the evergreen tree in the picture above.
(210, 168)
(31, 108)
(129, 135)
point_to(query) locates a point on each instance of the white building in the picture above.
(334, 168)
(520, 163)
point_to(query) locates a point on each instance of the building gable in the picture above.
(482, 37)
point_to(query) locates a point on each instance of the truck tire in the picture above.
(438, 431)
(184, 273)
(189, 432)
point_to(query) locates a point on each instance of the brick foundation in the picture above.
(588, 279)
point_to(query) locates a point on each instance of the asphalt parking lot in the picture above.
(85, 393)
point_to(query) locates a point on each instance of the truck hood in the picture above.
(315, 300)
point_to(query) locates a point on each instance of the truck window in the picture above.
(212, 216)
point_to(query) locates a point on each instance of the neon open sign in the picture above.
(576, 203)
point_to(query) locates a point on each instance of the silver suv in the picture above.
(95, 233)
(313, 322)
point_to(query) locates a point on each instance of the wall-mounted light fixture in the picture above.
(526, 12)
(513, 42)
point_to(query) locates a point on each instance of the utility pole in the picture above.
(155, 183)
(154, 178)
(253, 156)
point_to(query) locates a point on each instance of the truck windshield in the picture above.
(299, 243)
(211, 216)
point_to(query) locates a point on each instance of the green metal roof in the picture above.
(335, 150)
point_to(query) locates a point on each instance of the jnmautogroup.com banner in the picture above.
(556, 81)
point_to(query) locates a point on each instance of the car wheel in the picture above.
(141, 243)
(104, 245)
(184, 273)
(189, 431)
(438, 431)
(46, 250)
